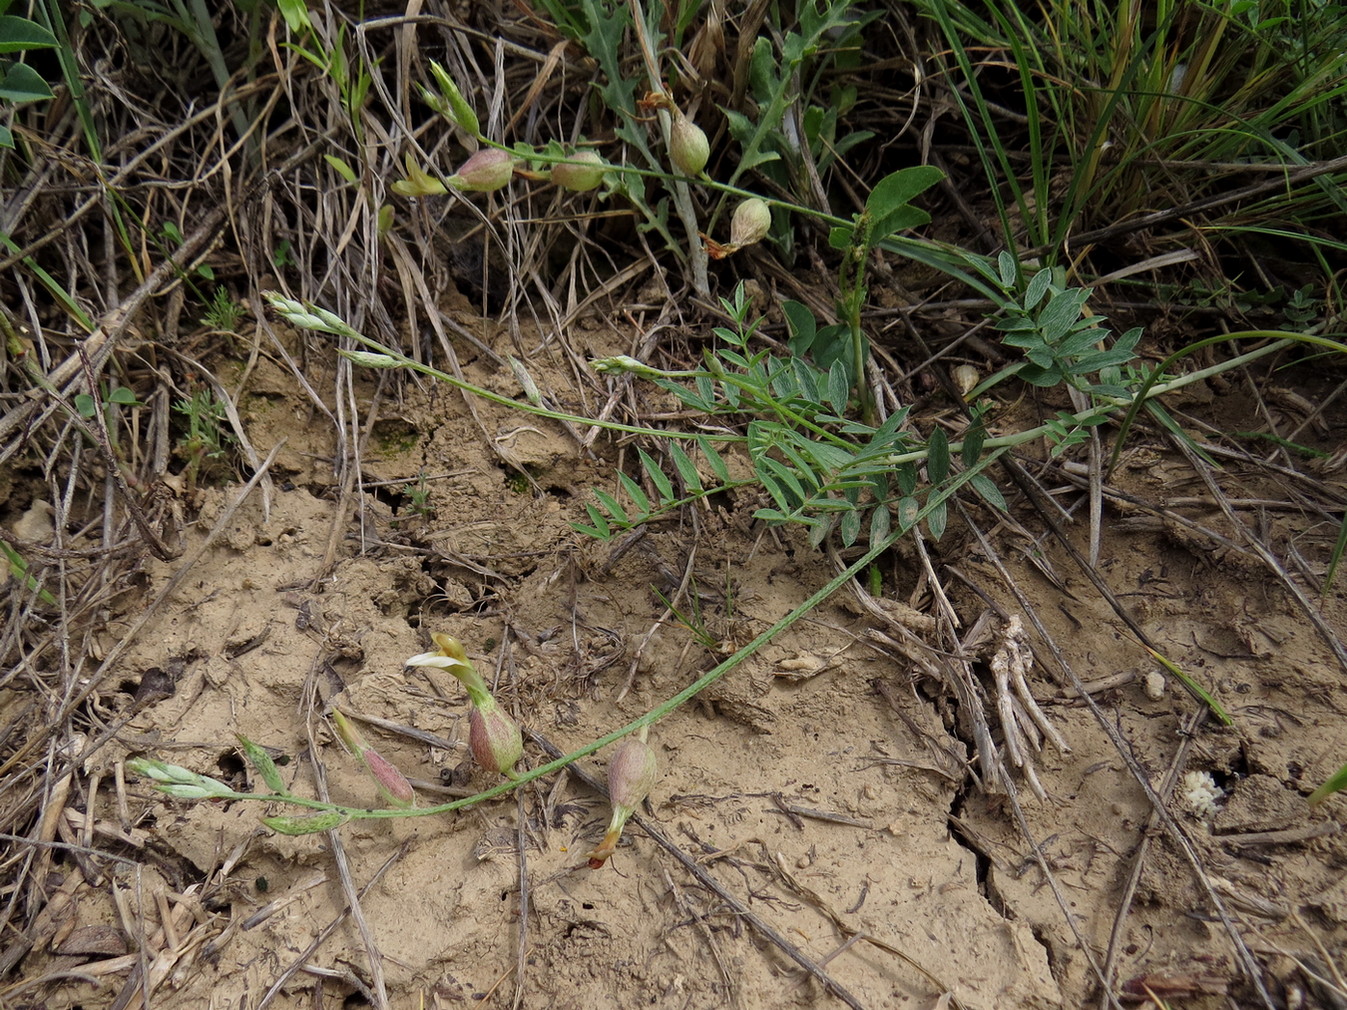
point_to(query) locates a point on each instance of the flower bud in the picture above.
(494, 739)
(625, 363)
(486, 171)
(751, 222)
(391, 783)
(581, 173)
(632, 773)
(688, 146)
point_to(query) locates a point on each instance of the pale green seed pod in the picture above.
(632, 773)
(688, 146)
(582, 172)
(751, 222)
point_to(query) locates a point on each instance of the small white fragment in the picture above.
(965, 378)
(1199, 793)
(1155, 685)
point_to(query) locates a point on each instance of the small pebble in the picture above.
(1155, 685)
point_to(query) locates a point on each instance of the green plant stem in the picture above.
(937, 255)
(682, 196)
(780, 409)
(659, 711)
(1151, 388)
(304, 314)
(1148, 390)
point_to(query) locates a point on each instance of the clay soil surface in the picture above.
(826, 797)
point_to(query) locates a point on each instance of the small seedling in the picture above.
(223, 313)
(418, 497)
(118, 396)
(206, 440)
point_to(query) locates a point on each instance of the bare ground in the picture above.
(828, 790)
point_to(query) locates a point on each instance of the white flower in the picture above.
(438, 660)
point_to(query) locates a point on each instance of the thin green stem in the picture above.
(1151, 387)
(1147, 392)
(940, 256)
(305, 315)
(664, 708)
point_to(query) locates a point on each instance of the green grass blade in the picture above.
(1335, 783)
(1194, 688)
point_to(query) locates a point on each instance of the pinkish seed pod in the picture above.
(486, 171)
(688, 146)
(632, 773)
(495, 740)
(581, 173)
(751, 222)
(391, 782)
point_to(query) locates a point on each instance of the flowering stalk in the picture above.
(631, 775)
(493, 737)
